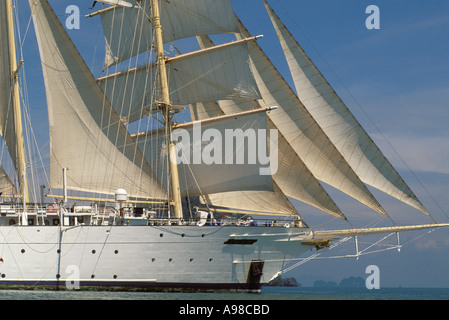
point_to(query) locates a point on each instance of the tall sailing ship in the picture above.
(177, 206)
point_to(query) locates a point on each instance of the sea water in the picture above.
(267, 294)
(272, 303)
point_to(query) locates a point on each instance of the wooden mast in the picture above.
(166, 106)
(21, 165)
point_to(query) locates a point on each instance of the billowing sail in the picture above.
(86, 135)
(338, 123)
(215, 155)
(128, 31)
(201, 76)
(292, 177)
(302, 132)
(261, 201)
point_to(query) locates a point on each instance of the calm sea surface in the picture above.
(268, 293)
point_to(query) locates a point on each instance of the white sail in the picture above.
(118, 3)
(292, 179)
(7, 128)
(261, 201)
(203, 76)
(302, 132)
(338, 123)
(128, 31)
(206, 164)
(205, 110)
(86, 135)
(6, 102)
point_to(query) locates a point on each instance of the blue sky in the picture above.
(395, 81)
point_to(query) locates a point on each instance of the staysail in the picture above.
(302, 132)
(86, 134)
(338, 123)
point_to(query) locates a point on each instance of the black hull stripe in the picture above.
(131, 286)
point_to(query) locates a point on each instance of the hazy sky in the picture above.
(395, 81)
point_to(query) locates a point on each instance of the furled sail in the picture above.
(195, 77)
(338, 123)
(86, 135)
(302, 132)
(215, 155)
(128, 31)
(6, 101)
(7, 128)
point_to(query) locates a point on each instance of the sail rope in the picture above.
(372, 122)
(37, 170)
(366, 251)
(359, 253)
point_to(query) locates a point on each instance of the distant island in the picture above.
(351, 282)
(283, 282)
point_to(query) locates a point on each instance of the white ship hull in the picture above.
(147, 257)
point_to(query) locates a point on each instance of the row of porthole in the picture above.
(114, 276)
(59, 276)
(182, 235)
(116, 252)
(171, 259)
(59, 251)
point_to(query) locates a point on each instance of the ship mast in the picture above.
(21, 165)
(166, 106)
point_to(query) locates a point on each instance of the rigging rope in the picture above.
(359, 253)
(294, 22)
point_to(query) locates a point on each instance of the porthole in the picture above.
(58, 251)
(161, 235)
(154, 259)
(116, 251)
(170, 259)
(183, 235)
(58, 276)
(93, 251)
(92, 276)
(203, 235)
(210, 259)
(115, 276)
(3, 275)
(23, 250)
(191, 259)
